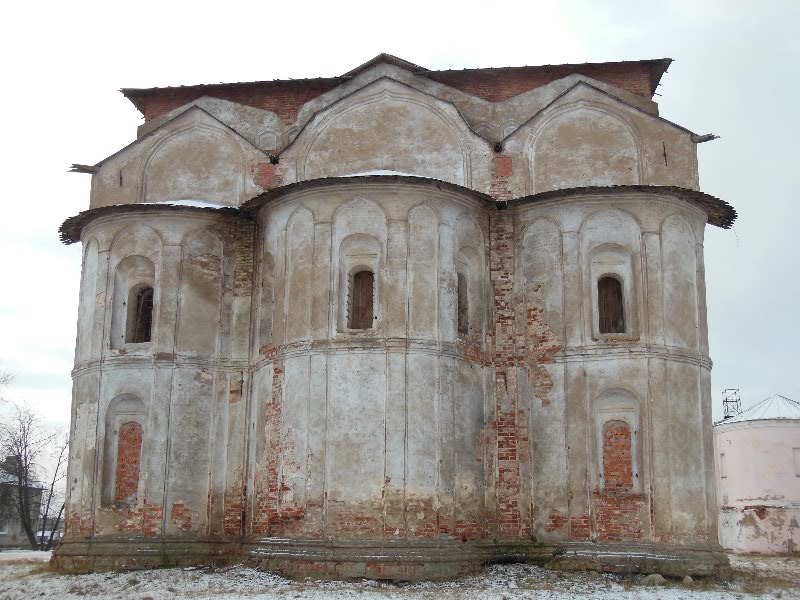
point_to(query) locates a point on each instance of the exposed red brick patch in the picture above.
(502, 165)
(555, 521)
(129, 456)
(617, 461)
(619, 517)
(181, 516)
(759, 509)
(580, 528)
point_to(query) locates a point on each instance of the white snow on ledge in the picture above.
(381, 172)
(192, 203)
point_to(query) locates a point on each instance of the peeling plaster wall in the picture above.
(572, 132)
(758, 485)
(266, 416)
(362, 428)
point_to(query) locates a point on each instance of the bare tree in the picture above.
(52, 505)
(25, 443)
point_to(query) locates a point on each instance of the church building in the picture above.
(398, 323)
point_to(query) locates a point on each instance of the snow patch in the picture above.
(381, 172)
(192, 203)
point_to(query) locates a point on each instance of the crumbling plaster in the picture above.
(269, 423)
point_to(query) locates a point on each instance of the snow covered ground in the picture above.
(25, 575)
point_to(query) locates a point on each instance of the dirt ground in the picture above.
(25, 574)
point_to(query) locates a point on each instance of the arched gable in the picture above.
(583, 143)
(197, 162)
(385, 126)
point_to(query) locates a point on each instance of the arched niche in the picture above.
(584, 145)
(542, 271)
(470, 264)
(359, 254)
(679, 281)
(88, 301)
(470, 307)
(135, 239)
(616, 406)
(611, 248)
(122, 410)
(132, 320)
(198, 162)
(299, 273)
(385, 126)
(423, 251)
(267, 304)
(201, 293)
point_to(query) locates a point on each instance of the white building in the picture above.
(758, 478)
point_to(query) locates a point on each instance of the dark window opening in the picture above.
(361, 314)
(609, 304)
(140, 315)
(462, 305)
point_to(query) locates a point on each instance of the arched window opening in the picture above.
(360, 302)
(462, 301)
(617, 457)
(129, 458)
(609, 305)
(140, 314)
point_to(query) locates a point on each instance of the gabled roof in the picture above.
(286, 97)
(388, 59)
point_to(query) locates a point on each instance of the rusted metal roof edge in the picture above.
(254, 204)
(658, 67)
(720, 213)
(70, 230)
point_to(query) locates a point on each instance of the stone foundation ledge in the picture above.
(407, 560)
(121, 553)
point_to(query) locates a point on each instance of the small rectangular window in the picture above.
(723, 466)
(361, 300)
(463, 305)
(609, 305)
(796, 453)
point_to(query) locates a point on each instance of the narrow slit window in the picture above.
(610, 309)
(140, 314)
(463, 305)
(361, 300)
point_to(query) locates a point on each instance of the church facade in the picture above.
(396, 324)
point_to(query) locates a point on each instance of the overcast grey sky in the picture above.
(735, 75)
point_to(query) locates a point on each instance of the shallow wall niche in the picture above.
(583, 145)
(299, 274)
(679, 271)
(543, 272)
(470, 262)
(358, 254)
(267, 304)
(423, 250)
(611, 268)
(132, 277)
(201, 293)
(611, 247)
(615, 407)
(88, 302)
(469, 300)
(359, 235)
(123, 411)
